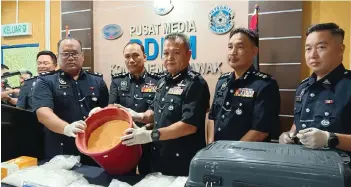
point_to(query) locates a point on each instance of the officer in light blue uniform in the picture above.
(62, 100)
(323, 101)
(46, 61)
(246, 102)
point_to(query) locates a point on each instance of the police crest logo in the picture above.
(221, 19)
(61, 81)
(112, 31)
(162, 7)
(123, 84)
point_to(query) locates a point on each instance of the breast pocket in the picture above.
(173, 107)
(125, 99)
(325, 118)
(149, 97)
(244, 106)
(64, 99)
(93, 99)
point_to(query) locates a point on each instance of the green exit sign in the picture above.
(20, 29)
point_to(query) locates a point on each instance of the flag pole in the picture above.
(257, 8)
(66, 31)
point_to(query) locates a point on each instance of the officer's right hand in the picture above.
(94, 110)
(72, 129)
(286, 138)
(135, 115)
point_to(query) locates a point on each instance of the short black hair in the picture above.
(134, 42)
(251, 34)
(27, 72)
(183, 37)
(68, 38)
(3, 66)
(332, 27)
(51, 54)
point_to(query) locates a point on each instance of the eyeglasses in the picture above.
(67, 54)
(43, 63)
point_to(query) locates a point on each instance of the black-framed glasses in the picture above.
(73, 54)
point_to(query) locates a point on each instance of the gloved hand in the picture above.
(313, 138)
(136, 136)
(135, 115)
(72, 129)
(286, 138)
(94, 110)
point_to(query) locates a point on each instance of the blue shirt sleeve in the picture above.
(42, 94)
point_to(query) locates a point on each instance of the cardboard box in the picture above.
(16, 164)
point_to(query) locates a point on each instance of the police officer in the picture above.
(178, 112)
(134, 90)
(46, 61)
(322, 104)
(246, 103)
(62, 99)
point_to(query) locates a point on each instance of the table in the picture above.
(98, 176)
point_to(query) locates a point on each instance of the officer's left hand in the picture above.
(136, 136)
(313, 138)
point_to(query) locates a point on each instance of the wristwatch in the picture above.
(155, 135)
(333, 140)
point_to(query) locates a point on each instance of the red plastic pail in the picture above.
(118, 160)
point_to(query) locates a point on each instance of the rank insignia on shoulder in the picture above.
(119, 75)
(225, 75)
(193, 74)
(263, 75)
(95, 73)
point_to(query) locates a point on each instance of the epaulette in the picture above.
(225, 75)
(34, 77)
(119, 75)
(48, 73)
(306, 79)
(156, 75)
(193, 74)
(263, 75)
(95, 73)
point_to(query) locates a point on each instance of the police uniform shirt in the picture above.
(251, 102)
(26, 93)
(134, 93)
(71, 100)
(183, 97)
(325, 104)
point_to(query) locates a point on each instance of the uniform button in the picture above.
(156, 123)
(84, 117)
(167, 87)
(326, 113)
(163, 99)
(150, 95)
(78, 93)
(136, 86)
(64, 93)
(308, 110)
(240, 104)
(136, 105)
(219, 129)
(81, 106)
(76, 82)
(177, 154)
(153, 148)
(303, 125)
(312, 95)
(171, 100)
(159, 111)
(136, 95)
(231, 91)
(122, 94)
(223, 116)
(227, 103)
(93, 94)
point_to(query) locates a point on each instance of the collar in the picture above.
(250, 70)
(331, 79)
(82, 74)
(179, 75)
(142, 76)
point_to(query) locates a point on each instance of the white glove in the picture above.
(136, 136)
(72, 129)
(286, 138)
(313, 138)
(94, 110)
(135, 115)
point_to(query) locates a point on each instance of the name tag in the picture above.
(244, 92)
(176, 90)
(63, 86)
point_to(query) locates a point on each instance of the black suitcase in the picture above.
(259, 164)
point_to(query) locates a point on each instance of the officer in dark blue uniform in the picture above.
(178, 112)
(46, 61)
(322, 104)
(246, 103)
(63, 99)
(135, 90)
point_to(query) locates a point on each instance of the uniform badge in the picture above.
(147, 88)
(176, 90)
(244, 92)
(328, 101)
(325, 123)
(33, 84)
(224, 85)
(326, 81)
(181, 84)
(170, 107)
(61, 81)
(124, 84)
(298, 98)
(238, 111)
(94, 99)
